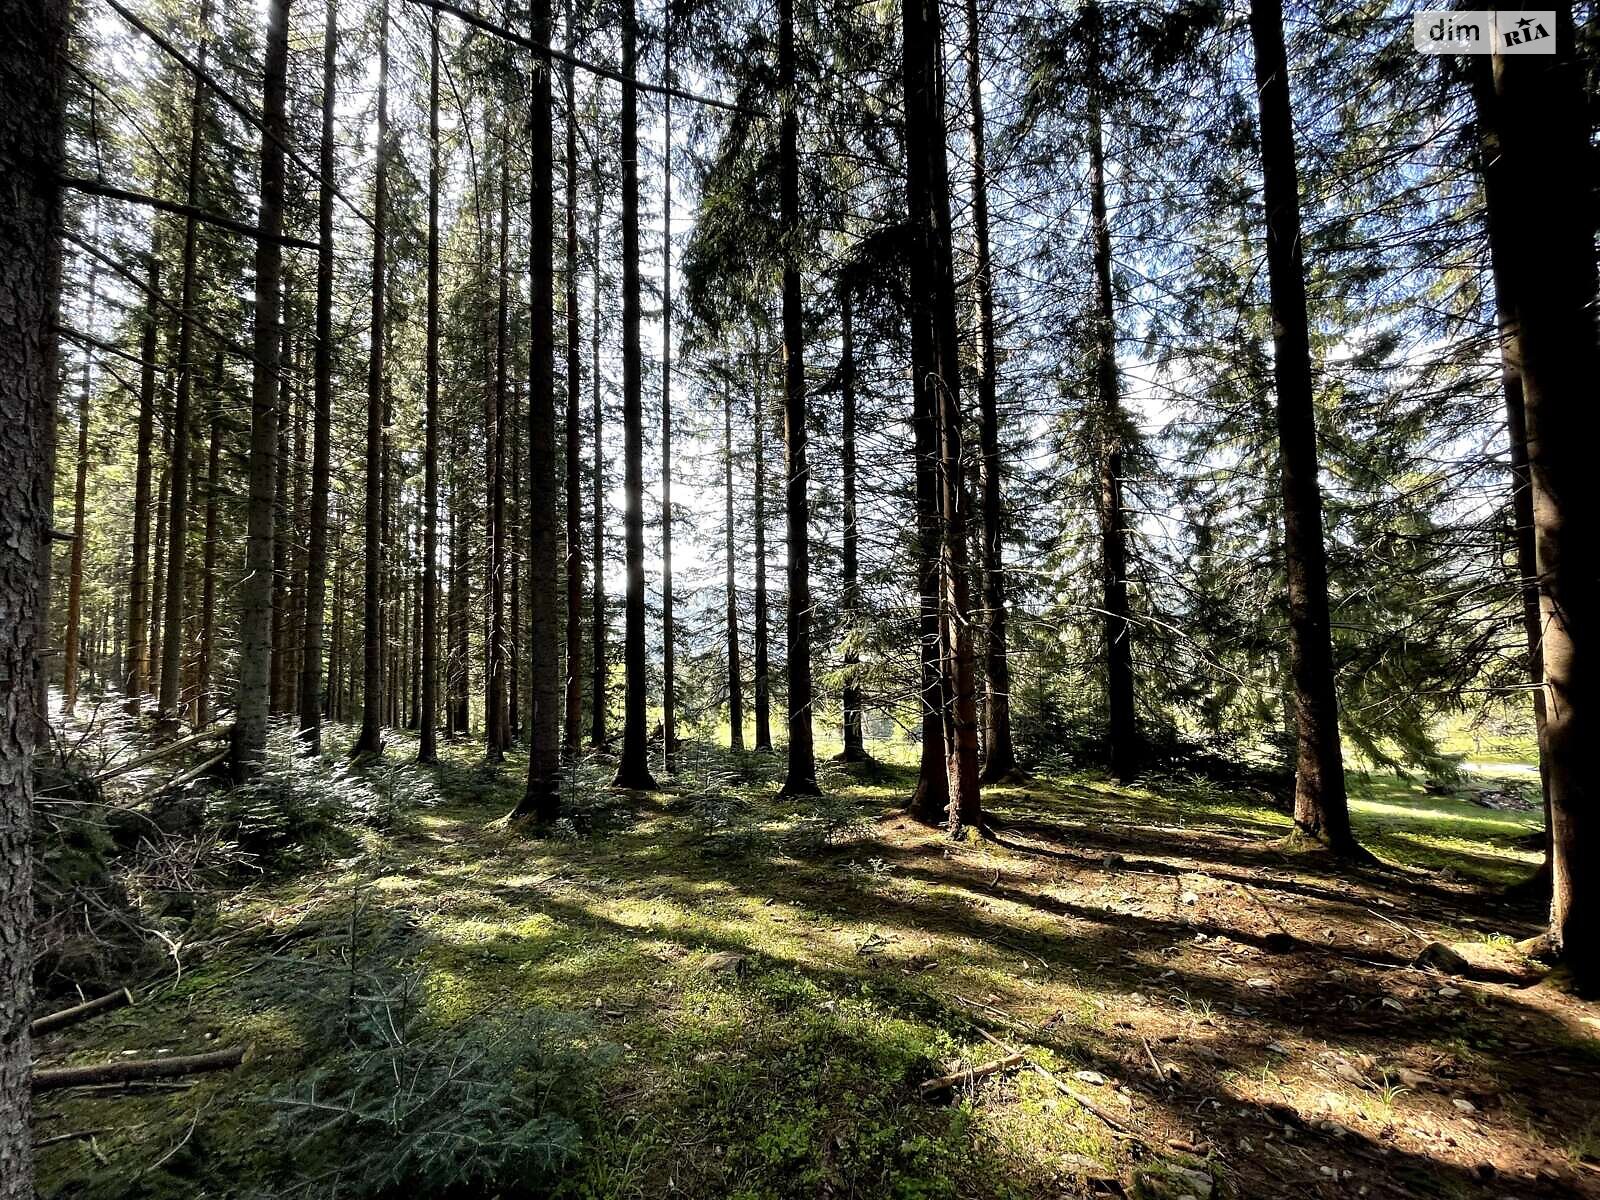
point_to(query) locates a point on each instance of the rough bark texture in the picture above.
(322, 410)
(370, 740)
(255, 600)
(543, 796)
(33, 63)
(428, 744)
(633, 770)
(497, 728)
(1538, 111)
(1000, 755)
(735, 670)
(1321, 810)
(801, 776)
(208, 590)
(854, 743)
(1122, 729)
(938, 373)
(572, 726)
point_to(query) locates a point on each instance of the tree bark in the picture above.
(1321, 810)
(497, 729)
(669, 724)
(33, 65)
(933, 289)
(138, 653)
(1122, 728)
(735, 670)
(572, 726)
(542, 799)
(255, 606)
(178, 511)
(633, 770)
(1538, 112)
(370, 740)
(281, 532)
(1000, 755)
(322, 408)
(801, 776)
(208, 590)
(762, 686)
(597, 597)
(854, 742)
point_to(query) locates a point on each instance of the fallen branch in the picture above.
(80, 1012)
(134, 1070)
(1070, 1093)
(160, 752)
(193, 772)
(938, 1084)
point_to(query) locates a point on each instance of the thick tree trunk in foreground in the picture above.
(763, 698)
(572, 725)
(1539, 114)
(255, 602)
(33, 64)
(138, 654)
(1321, 810)
(633, 771)
(669, 722)
(322, 410)
(428, 743)
(735, 670)
(854, 743)
(371, 739)
(939, 373)
(801, 777)
(1122, 728)
(542, 799)
(1000, 755)
(1503, 242)
(931, 798)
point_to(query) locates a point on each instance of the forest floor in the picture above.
(772, 979)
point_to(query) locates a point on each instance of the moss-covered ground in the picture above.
(772, 979)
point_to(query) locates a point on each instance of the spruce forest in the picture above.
(615, 599)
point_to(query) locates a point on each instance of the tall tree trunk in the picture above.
(1122, 729)
(801, 777)
(762, 685)
(669, 724)
(573, 724)
(854, 743)
(1321, 810)
(80, 490)
(497, 732)
(208, 591)
(158, 568)
(542, 799)
(138, 652)
(597, 584)
(33, 65)
(933, 286)
(735, 670)
(178, 510)
(428, 751)
(255, 605)
(322, 408)
(1000, 755)
(633, 770)
(1538, 112)
(280, 505)
(371, 739)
